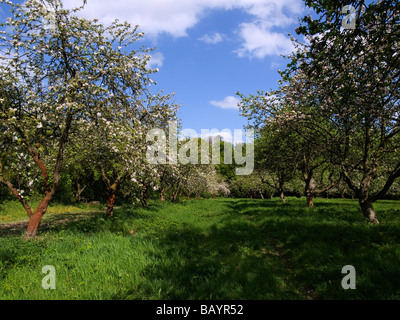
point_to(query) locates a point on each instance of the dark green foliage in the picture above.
(65, 193)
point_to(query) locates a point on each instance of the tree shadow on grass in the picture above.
(13, 229)
(92, 221)
(320, 241)
(244, 205)
(233, 261)
(49, 222)
(274, 256)
(319, 250)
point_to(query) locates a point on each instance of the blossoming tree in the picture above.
(355, 73)
(343, 88)
(119, 145)
(59, 73)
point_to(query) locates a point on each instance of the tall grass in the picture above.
(209, 249)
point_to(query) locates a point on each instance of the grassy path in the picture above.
(207, 249)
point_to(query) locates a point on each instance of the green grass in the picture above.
(12, 211)
(207, 249)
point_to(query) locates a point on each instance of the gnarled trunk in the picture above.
(112, 188)
(310, 200)
(175, 192)
(144, 196)
(283, 196)
(110, 205)
(175, 195)
(308, 179)
(34, 220)
(368, 210)
(163, 194)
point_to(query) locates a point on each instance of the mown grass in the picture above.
(209, 249)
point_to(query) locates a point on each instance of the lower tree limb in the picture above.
(16, 193)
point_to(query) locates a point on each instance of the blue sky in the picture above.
(207, 50)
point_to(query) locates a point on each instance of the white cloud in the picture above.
(175, 17)
(212, 39)
(225, 135)
(229, 102)
(234, 136)
(154, 17)
(275, 65)
(275, 13)
(259, 41)
(156, 61)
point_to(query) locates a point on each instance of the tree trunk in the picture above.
(144, 197)
(163, 194)
(175, 195)
(79, 192)
(310, 200)
(110, 205)
(309, 196)
(34, 220)
(368, 211)
(144, 202)
(261, 195)
(283, 196)
(112, 188)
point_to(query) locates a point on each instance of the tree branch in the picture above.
(15, 192)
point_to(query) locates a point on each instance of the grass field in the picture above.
(204, 249)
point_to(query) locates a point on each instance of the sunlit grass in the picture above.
(12, 211)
